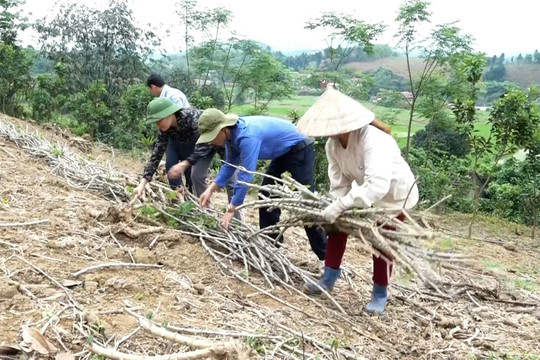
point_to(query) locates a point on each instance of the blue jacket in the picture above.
(255, 138)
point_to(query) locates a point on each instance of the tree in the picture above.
(444, 42)
(204, 25)
(14, 62)
(89, 108)
(129, 125)
(442, 136)
(218, 17)
(513, 119)
(346, 34)
(9, 18)
(388, 98)
(233, 59)
(496, 72)
(468, 71)
(98, 45)
(268, 79)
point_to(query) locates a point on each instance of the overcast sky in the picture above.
(497, 26)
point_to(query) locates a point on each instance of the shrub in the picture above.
(440, 174)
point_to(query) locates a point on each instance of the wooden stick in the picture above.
(66, 291)
(114, 265)
(117, 355)
(36, 222)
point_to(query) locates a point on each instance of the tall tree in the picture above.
(98, 45)
(14, 62)
(444, 42)
(203, 26)
(219, 18)
(346, 34)
(268, 79)
(233, 60)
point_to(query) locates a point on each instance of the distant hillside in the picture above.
(522, 74)
(398, 65)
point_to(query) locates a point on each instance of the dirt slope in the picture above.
(191, 291)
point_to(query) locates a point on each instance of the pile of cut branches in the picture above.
(78, 171)
(380, 230)
(243, 242)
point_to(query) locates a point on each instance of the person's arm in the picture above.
(201, 151)
(225, 173)
(226, 170)
(249, 155)
(157, 154)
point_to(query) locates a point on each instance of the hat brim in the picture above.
(163, 113)
(230, 120)
(334, 113)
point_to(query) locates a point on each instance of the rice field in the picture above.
(397, 118)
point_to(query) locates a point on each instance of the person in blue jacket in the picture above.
(252, 138)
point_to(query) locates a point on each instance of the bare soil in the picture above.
(190, 290)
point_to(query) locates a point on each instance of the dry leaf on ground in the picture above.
(37, 342)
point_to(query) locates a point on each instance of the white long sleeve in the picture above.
(370, 171)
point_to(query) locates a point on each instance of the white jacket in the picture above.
(370, 172)
(175, 95)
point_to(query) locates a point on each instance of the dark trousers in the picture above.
(195, 175)
(300, 162)
(176, 152)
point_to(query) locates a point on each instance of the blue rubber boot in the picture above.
(378, 299)
(327, 282)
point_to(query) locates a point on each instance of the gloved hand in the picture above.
(333, 211)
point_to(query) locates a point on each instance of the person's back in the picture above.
(276, 135)
(175, 95)
(158, 88)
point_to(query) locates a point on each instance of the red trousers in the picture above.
(382, 265)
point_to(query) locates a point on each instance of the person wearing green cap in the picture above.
(248, 139)
(181, 125)
(176, 150)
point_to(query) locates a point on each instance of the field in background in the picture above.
(281, 109)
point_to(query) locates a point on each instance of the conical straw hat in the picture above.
(334, 113)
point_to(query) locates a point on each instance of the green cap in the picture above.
(211, 122)
(160, 108)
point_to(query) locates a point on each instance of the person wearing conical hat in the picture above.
(366, 170)
(249, 139)
(178, 127)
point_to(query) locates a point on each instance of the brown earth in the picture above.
(192, 291)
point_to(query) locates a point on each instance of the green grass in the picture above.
(490, 264)
(400, 117)
(528, 285)
(280, 108)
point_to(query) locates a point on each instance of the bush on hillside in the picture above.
(511, 194)
(440, 174)
(442, 135)
(129, 124)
